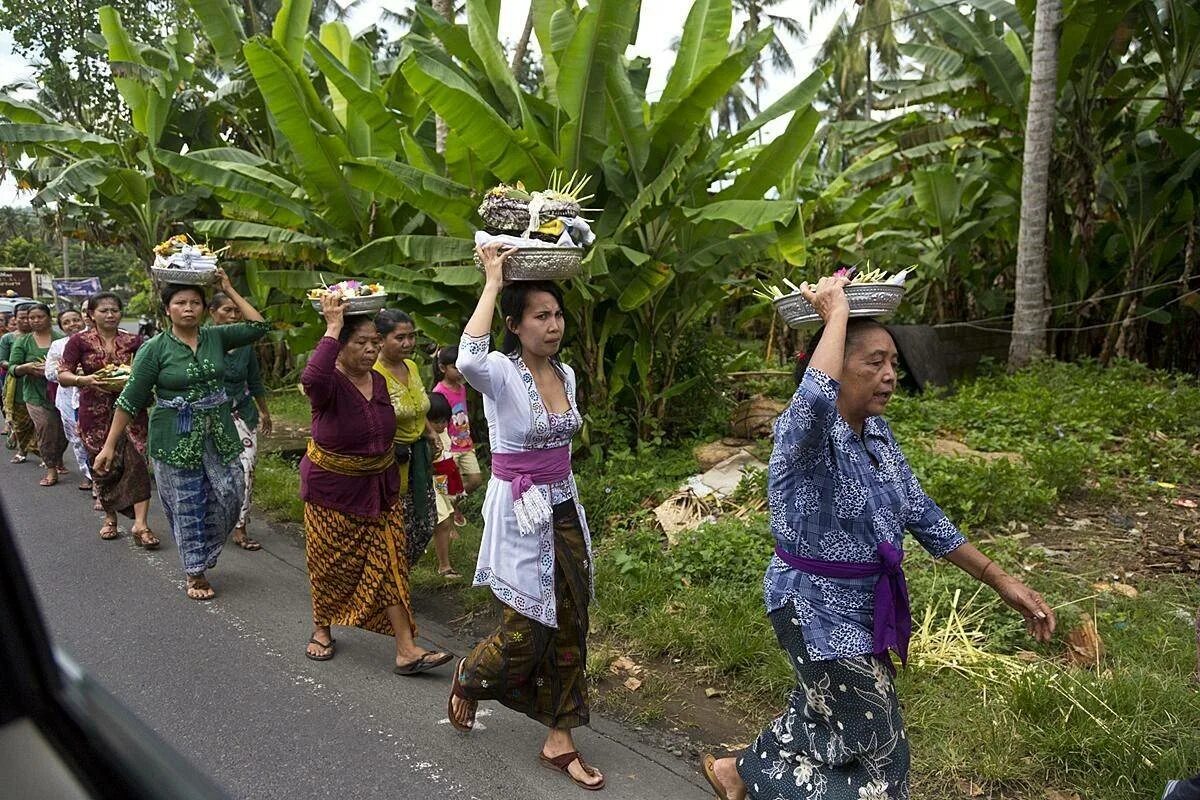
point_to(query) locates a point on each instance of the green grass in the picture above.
(290, 406)
(277, 488)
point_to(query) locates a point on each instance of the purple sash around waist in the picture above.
(893, 617)
(532, 468)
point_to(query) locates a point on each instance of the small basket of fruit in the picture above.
(360, 297)
(870, 294)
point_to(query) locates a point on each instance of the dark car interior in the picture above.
(62, 735)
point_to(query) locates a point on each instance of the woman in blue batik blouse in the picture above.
(841, 496)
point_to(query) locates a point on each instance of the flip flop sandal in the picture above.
(450, 574)
(329, 647)
(248, 544)
(19, 459)
(710, 775)
(145, 538)
(423, 664)
(560, 764)
(471, 705)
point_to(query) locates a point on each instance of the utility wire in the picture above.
(1069, 330)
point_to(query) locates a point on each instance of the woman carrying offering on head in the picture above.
(66, 397)
(125, 487)
(841, 496)
(28, 358)
(414, 452)
(536, 549)
(248, 397)
(193, 441)
(353, 517)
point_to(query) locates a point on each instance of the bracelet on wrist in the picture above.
(983, 573)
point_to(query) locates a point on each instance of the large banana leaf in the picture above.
(746, 214)
(262, 199)
(421, 250)
(543, 11)
(38, 139)
(318, 155)
(291, 26)
(701, 48)
(147, 111)
(655, 189)
(355, 101)
(769, 166)
(333, 52)
(797, 98)
(508, 153)
(24, 111)
(696, 106)
(222, 28)
(485, 39)
(450, 204)
(254, 240)
(600, 38)
(628, 119)
(936, 192)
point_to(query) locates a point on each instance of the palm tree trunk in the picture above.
(868, 101)
(1030, 312)
(446, 9)
(518, 59)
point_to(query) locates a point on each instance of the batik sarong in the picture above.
(530, 667)
(201, 505)
(841, 737)
(247, 459)
(356, 567)
(51, 441)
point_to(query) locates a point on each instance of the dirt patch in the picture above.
(1127, 540)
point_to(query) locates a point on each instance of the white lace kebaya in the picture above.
(518, 565)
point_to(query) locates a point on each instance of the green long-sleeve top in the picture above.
(25, 350)
(243, 383)
(6, 343)
(165, 369)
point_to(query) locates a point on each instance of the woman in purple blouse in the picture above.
(841, 496)
(354, 526)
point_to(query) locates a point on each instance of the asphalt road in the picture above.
(226, 682)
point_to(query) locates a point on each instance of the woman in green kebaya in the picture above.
(193, 441)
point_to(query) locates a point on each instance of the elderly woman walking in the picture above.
(193, 441)
(414, 451)
(536, 549)
(66, 398)
(244, 386)
(124, 488)
(29, 362)
(353, 518)
(841, 495)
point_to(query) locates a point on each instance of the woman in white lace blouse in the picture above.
(536, 549)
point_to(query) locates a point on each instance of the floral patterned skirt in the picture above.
(534, 669)
(841, 737)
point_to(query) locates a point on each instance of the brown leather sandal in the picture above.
(471, 705)
(109, 531)
(145, 538)
(561, 763)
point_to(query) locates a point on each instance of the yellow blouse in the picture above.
(410, 401)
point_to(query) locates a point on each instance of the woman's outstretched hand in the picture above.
(1039, 616)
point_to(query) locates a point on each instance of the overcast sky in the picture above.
(661, 22)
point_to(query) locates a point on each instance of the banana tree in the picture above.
(110, 179)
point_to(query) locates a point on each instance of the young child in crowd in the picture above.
(453, 387)
(447, 484)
